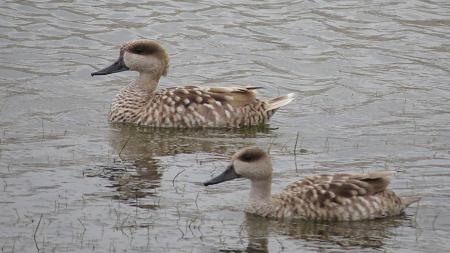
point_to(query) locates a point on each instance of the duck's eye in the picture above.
(246, 158)
(250, 156)
(144, 49)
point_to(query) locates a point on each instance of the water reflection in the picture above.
(345, 235)
(130, 141)
(137, 170)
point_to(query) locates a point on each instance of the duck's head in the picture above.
(143, 55)
(252, 163)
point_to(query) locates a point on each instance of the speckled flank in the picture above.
(189, 106)
(182, 107)
(339, 197)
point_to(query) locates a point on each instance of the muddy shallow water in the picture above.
(373, 85)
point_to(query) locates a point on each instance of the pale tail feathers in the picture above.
(409, 200)
(280, 101)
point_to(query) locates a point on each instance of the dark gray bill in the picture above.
(228, 174)
(117, 66)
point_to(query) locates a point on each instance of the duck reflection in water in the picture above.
(136, 171)
(266, 235)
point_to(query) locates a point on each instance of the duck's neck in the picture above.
(147, 81)
(261, 192)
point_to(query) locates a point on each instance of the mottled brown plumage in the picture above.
(339, 197)
(187, 107)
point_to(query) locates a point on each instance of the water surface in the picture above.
(373, 85)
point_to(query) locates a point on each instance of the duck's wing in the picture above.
(338, 188)
(342, 197)
(241, 96)
(235, 96)
(215, 106)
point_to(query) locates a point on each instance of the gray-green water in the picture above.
(373, 85)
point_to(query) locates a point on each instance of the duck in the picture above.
(327, 197)
(141, 103)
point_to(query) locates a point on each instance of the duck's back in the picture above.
(192, 106)
(341, 197)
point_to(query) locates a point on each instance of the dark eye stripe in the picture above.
(144, 49)
(251, 155)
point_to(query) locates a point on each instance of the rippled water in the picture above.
(373, 85)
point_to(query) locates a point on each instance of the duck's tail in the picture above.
(409, 200)
(278, 102)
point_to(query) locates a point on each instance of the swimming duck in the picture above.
(190, 106)
(338, 197)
